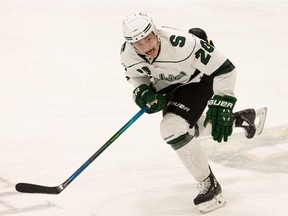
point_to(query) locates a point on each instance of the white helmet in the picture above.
(137, 26)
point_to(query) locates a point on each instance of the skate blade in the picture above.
(261, 117)
(217, 202)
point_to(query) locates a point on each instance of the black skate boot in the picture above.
(245, 119)
(210, 195)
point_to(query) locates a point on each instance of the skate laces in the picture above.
(204, 186)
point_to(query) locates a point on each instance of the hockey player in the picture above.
(181, 73)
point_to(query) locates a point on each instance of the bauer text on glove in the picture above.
(220, 115)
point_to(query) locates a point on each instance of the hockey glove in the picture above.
(145, 95)
(220, 114)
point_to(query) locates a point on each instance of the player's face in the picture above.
(148, 46)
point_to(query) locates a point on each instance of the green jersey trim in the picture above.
(226, 67)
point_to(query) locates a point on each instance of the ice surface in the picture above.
(63, 94)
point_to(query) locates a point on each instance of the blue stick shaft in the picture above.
(108, 143)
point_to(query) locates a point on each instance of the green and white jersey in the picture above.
(183, 58)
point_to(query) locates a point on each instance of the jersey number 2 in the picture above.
(201, 52)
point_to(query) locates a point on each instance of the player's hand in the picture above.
(145, 95)
(220, 115)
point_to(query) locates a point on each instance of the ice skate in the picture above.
(246, 119)
(210, 195)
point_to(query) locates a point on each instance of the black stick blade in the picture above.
(32, 188)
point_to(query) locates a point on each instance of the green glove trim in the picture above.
(220, 114)
(156, 107)
(145, 94)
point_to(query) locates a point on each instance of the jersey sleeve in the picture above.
(211, 61)
(131, 64)
(135, 78)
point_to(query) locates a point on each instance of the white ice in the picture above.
(63, 94)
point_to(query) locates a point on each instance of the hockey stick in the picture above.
(33, 188)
